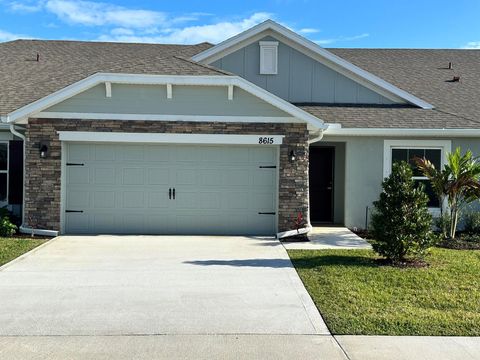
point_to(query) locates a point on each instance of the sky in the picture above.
(335, 23)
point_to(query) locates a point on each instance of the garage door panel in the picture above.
(78, 199)
(133, 199)
(78, 152)
(104, 152)
(78, 175)
(264, 177)
(158, 176)
(132, 153)
(77, 223)
(104, 176)
(157, 153)
(124, 189)
(133, 176)
(104, 200)
(158, 199)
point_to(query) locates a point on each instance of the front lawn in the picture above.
(357, 295)
(13, 247)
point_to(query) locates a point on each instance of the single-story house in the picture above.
(236, 138)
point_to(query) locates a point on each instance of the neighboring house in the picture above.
(236, 138)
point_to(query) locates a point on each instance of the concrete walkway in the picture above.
(410, 347)
(330, 237)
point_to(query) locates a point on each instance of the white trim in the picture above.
(230, 92)
(7, 172)
(444, 145)
(265, 67)
(221, 80)
(207, 56)
(334, 131)
(173, 117)
(108, 89)
(169, 91)
(63, 185)
(169, 138)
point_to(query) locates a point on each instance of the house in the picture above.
(236, 138)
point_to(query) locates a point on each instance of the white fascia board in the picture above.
(169, 138)
(206, 80)
(402, 132)
(166, 117)
(291, 35)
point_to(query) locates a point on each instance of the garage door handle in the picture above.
(173, 193)
(74, 211)
(170, 193)
(266, 213)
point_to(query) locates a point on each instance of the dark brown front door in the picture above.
(321, 184)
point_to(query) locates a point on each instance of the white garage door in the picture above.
(170, 189)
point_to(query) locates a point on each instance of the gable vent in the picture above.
(268, 57)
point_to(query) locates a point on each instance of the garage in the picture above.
(125, 188)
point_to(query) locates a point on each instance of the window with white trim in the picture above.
(432, 150)
(268, 57)
(3, 171)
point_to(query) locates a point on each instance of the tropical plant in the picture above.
(401, 223)
(458, 182)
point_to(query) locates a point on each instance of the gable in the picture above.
(152, 100)
(314, 51)
(299, 78)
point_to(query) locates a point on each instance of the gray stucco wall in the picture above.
(300, 78)
(364, 172)
(152, 99)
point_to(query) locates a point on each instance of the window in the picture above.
(3, 171)
(433, 150)
(268, 57)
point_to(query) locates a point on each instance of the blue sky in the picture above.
(335, 23)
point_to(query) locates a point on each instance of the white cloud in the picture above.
(89, 13)
(8, 36)
(25, 6)
(341, 39)
(472, 45)
(308, 31)
(213, 33)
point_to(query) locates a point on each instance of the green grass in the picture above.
(11, 248)
(356, 295)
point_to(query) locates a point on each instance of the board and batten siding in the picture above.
(300, 78)
(152, 99)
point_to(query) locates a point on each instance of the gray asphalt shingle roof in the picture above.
(24, 80)
(423, 73)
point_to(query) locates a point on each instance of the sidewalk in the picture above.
(410, 347)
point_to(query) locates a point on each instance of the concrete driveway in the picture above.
(147, 285)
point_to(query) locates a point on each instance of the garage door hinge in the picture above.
(75, 164)
(266, 213)
(74, 211)
(268, 167)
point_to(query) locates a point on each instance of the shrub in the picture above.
(401, 224)
(471, 223)
(7, 228)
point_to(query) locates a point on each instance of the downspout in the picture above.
(23, 227)
(305, 230)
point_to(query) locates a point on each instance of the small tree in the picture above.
(401, 224)
(458, 183)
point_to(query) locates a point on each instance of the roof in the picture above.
(61, 63)
(421, 72)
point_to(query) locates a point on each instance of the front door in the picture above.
(321, 184)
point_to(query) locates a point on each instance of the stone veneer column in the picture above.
(43, 176)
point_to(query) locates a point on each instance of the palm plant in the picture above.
(458, 182)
